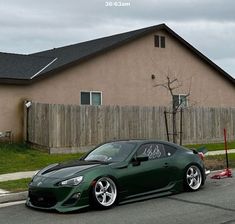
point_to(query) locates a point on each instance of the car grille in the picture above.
(44, 200)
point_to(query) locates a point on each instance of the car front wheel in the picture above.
(104, 193)
(193, 178)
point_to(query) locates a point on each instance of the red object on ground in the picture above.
(226, 172)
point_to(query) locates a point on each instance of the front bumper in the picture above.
(62, 199)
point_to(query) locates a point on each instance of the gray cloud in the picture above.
(188, 10)
(28, 26)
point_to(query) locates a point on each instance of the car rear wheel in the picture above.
(104, 193)
(193, 178)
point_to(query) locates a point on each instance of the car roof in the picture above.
(143, 141)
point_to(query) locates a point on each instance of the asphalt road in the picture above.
(213, 204)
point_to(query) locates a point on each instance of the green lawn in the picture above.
(19, 157)
(15, 185)
(213, 146)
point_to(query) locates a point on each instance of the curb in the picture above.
(12, 197)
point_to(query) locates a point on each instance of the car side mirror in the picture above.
(142, 158)
(137, 160)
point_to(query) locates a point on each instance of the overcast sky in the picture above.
(29, 26)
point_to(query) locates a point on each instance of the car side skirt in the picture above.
(171, 188)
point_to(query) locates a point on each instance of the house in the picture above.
(122, 69)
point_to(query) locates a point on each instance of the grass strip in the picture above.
(213, 146)
(19, 157)
(15, 185)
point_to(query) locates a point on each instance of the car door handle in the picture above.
(166, 165)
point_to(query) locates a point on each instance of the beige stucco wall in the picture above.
(123, 76)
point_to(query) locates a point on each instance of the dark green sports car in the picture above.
(117, 172)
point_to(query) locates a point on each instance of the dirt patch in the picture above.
(214, 164)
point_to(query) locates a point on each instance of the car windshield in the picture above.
(111, 152)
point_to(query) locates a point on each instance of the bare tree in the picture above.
(171, 85)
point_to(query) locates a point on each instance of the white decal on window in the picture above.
(152, 152)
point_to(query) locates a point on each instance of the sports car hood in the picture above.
(67, 170)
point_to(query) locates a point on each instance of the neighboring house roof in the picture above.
(15, 68)
(24, 67)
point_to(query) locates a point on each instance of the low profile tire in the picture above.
(193, 178)
(104, 193)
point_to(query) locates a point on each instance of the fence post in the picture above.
(166, 124)
(181, 125)
(26, 105)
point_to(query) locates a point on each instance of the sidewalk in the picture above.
(219, 152)
(8, 197)
(16, 176)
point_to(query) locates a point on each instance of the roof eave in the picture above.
(12, 81)
(200, 55)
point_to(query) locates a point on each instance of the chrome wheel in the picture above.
(105, 192)
(193, 178)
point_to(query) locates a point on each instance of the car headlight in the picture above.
(72, 182)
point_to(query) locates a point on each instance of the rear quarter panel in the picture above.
(184, 158)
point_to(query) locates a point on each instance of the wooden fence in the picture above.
(72, 126)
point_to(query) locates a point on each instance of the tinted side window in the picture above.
(169, 150)
(153, 151)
